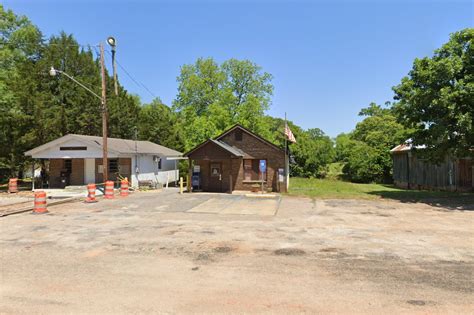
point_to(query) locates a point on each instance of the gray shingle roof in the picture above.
(119, 146)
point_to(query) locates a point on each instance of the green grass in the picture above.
(337, 189)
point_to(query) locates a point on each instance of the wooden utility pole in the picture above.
(104, 117)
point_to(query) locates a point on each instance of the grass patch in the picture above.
(337, 189)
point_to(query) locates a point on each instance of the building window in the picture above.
(215, 169)
(238, 135)
(68, 166)
(72, 148)
(252, 170)
(113, 166)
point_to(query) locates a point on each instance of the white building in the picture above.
(77, 160)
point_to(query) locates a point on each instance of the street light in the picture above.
(112, 43)
(54, 72)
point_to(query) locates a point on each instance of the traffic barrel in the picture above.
(40, 203)
(124, 187)
(91, 193)
(109, 190)
(13, 185)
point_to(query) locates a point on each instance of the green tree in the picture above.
(20, 47)
(343, 145)
(436, 99)
(371, 141)
(157, 123)
(363, 163)
(312, 153)
(213, 97)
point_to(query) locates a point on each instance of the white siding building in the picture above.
(77, 160)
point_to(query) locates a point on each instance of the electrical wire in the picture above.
(138, 83)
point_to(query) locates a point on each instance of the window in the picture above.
(68, 166)
(238, 135)
(252, 170)
(72, 148)
(159, 164)
(215, 170)
(113, 166)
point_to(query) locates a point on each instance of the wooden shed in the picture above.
(413, 172)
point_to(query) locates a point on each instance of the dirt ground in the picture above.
(170, 253)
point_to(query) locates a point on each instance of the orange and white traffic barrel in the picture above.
(13, 185)
(109, 190)
(40, 202)
(91, 193)
(124, 187)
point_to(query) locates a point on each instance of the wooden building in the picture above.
(77, 160)
(232, 161)
(412, 172)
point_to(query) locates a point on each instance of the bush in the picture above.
(363, 165)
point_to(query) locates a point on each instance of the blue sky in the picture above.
(328, 58)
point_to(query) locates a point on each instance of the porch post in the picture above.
(175, 174)
(33, 175)
(230, 175)
(190, 175)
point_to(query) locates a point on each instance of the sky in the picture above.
(328, 59)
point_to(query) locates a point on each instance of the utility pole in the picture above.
(104, 117)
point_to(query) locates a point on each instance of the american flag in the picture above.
(289, 134)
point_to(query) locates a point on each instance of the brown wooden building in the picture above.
(231, 162)
(412, 172)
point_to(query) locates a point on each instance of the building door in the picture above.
(89, 171)
(215, 179)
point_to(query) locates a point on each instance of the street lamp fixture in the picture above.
(54, 72)
(111, 42)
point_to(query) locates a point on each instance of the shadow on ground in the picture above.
(446, 200)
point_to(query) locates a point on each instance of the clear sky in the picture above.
(328, 58)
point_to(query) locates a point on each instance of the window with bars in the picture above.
(113, 166)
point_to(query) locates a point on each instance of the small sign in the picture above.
(197, 168)
(281, 175)
(263, 166)
(196, 181)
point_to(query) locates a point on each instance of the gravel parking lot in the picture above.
(215, 253)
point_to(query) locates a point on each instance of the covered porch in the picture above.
(62, 172)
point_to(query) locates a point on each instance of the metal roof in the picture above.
(116, 145)
(231, 149)
(407, 146)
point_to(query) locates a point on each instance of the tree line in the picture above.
(433, 105)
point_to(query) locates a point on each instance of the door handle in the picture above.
(220, 176)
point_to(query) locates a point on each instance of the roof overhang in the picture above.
(233, 151)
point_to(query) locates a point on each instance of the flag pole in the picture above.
(287, 168)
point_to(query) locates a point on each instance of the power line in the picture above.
(138, 83)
